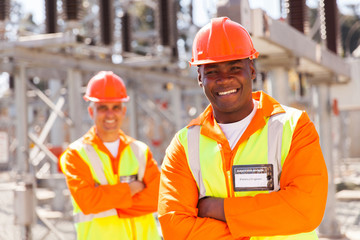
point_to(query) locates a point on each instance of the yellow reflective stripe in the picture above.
(112, 227)
(139, 149)
(96, 163)
(194, 158)
(129, 164)
(81, 217)
(213, 168)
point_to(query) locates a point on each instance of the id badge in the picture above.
(257, 177)
(128, 179)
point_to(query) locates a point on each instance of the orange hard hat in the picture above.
(106, 86)
(222, 40)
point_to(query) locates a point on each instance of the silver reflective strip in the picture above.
(140, 156)
(275, 131)
(96, 163)
(194, 157)
(81, 217)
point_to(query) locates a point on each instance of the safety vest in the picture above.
(107, 224)
(268, 146)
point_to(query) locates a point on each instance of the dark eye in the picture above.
(210, 72)
(101, 108)
(117, 108)
(235, 68)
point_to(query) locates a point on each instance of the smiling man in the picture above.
(247, 167)
(113, 178)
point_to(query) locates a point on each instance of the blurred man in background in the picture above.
(113, 178)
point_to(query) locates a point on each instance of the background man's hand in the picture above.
(136, 187)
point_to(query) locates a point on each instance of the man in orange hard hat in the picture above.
(113, 178)
(247, 167)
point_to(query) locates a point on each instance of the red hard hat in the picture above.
(222, 40)
(106, 86)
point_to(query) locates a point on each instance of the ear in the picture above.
(199, 77)
(123, 110)
(252, 70)
(91, 112)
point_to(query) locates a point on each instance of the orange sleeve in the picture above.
(300, 203)
(145, 201)
(91, 198)
(178, 199)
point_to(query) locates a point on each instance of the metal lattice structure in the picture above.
(147, 48)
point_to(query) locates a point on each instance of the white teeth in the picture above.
(227, 92)
(110, 121)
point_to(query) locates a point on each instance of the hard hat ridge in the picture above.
(222, 40)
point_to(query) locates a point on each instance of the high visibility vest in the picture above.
(107, 224)
(268, 145)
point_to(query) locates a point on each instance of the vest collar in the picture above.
(91, 138)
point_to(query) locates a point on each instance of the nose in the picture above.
(224, 77)
(110, 112)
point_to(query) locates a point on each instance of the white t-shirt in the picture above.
(113, 147)
(234, 131)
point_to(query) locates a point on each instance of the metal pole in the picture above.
(75, 102)
(24, 197)
(131, 110)
(278, 77)
(21, 121)
(176, 107)
(321, 100)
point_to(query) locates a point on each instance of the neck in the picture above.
(110, 137)
(236, 116)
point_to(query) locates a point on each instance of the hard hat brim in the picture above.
(93, 99)
(224, 59)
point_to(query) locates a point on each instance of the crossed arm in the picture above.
(133, 199)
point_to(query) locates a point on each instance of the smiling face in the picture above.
(228, 87)
(108, 118)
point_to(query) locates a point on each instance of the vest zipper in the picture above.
(230, 193)
(226, 172)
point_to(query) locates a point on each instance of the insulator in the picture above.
(164, 22)
(4, 9)
(174, 29)
(72, 9)
(106, 21)
(297, 13)
(301, 85)
(126, 32)
(11, 82)
(51, 16)
(330, 13)
(167, 20)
